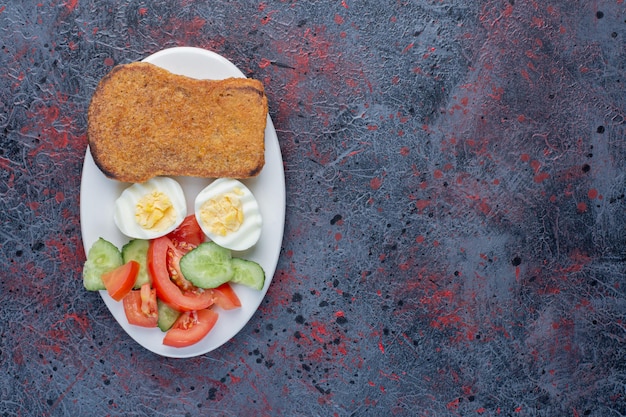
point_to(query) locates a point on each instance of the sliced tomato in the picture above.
(148, 300)
(190, 328)
(120, 281)
(168, 291)
(225, 297)
(140, 307)
(176, 251)
(189, 231)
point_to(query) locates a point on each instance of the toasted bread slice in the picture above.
(144, 121)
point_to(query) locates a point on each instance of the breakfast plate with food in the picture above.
(182, 200)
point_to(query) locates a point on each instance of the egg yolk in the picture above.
(155, 211)
(223, 214)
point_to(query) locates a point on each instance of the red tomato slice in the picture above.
(189, 231)
(140, 307)
(120, 281)
(190, 328)
(148, 300)
(168, 291)
(225, 297)
(174, 253)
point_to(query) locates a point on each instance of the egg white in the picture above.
(250, 230)
(126, 204)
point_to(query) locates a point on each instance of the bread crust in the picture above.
(144, 121)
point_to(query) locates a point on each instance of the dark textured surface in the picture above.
(455, 234)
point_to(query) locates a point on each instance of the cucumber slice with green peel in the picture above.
(167, 316)
(207, 266)
(103, 256)
(137, 250)
(248, 273)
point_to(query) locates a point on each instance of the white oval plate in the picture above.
(98, 195)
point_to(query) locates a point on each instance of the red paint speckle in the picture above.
(581, 207)
(592, 194)
(525, 75)
(537, 21)
(422, 204)
(143, 11)
(405, 151)
(508, 11)
(453, 405)
(541, 177)
(109, 62)
(71, 4)
(484, 207)
(438, 174)
(338, 19)
(264, 63)
(265, 20)
(338, 237)
(524, 157)
(376, 183)
(536, 165)
(319, 331)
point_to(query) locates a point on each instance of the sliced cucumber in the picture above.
(167, 316)
(207, 266)
(248, 273)
(137, 250)
(103, 256)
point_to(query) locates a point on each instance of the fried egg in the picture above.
(229, 214)
(150, 209)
